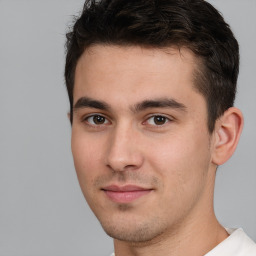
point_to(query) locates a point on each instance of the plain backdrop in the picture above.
(42, 211)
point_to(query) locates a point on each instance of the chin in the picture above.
(134, 232)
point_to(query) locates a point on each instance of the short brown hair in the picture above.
(194, 24)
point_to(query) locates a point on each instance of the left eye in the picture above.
(97, 120)
(157, 120)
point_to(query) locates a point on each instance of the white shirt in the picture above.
(237, 244)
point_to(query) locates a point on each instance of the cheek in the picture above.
(182, 164)
(181, 160)
(86, 155)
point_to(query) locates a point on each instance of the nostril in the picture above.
(124, 164)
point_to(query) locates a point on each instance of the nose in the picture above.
(124, 151)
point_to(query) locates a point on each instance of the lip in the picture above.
(125, 194)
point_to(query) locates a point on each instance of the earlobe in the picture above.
(227, 133)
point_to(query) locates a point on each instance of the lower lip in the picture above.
(125, 196)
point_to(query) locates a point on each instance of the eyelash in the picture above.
(93, 116)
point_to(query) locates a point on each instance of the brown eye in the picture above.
(96, 120)
(157, 120)
(160, 120)
(99, 119)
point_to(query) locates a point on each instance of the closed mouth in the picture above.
(125, 194)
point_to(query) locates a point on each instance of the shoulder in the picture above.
(247, 245)
(237, 244)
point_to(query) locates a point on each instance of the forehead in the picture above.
(133, 73)
(120, 57)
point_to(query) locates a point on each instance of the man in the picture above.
(151, 86)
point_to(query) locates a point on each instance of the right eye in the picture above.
(97, 120)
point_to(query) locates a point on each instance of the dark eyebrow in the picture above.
(159, 103)
(85, 102)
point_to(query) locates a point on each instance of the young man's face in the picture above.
(140, 142)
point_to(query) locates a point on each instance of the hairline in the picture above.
(198, 75)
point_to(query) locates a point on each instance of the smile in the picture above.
(125, 194)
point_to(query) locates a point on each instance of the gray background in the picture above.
(42, 211)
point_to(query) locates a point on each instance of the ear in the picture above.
(227, 133)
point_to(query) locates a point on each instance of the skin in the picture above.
(117, 140)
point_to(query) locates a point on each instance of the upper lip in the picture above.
(126, 188)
